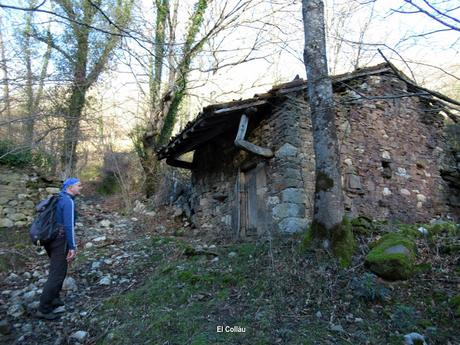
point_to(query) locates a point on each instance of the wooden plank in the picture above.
(241, 106)
(246, 145)
(174, 162)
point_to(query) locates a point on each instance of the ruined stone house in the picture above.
(253, 160)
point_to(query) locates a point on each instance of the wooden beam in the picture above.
(246, 145)
(174, 162)
(242, 106)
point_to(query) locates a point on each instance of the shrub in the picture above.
(13, 155)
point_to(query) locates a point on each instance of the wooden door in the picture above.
(252, 201)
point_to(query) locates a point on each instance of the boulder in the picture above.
(6, 223)
(392, 257)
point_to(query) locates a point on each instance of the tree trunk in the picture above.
(328, 214)
(6, 85)
(150, 164)
(72, 130)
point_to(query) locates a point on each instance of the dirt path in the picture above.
(112, 258)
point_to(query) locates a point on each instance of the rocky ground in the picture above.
(111, 260)
(152, 279)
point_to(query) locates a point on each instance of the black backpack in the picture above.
(44, 228)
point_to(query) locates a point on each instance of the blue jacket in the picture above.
(66, 216)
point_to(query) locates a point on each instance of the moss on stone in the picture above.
(392, 266)
(323, 182)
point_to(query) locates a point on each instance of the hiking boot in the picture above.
(57, 302)
(46, 316)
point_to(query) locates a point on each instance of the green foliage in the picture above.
(15, 156)
(404, 317)
(369, 288)
(136, 137)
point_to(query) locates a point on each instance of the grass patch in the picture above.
(273, 292)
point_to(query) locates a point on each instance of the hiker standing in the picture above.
(62, 250)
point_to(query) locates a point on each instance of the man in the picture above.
(62, 250)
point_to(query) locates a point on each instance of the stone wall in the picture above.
(391, 153)
(220, 169)
(19, 193)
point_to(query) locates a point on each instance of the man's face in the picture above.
(75, 189)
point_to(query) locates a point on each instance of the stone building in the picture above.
(253, 160)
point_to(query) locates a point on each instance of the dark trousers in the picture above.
(57, 251)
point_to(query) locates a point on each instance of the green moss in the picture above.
(362, 225)
(448, 228)
(323, 182)
(392, 266)
(455, 303)
(343, 242)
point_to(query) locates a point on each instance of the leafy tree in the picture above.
(86, 44)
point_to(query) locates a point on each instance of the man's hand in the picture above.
(71, 255)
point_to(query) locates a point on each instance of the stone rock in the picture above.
(392, 257)
(287, 150)
(99, 239)
(18, 216)
(273, 200)
(105, 223)
(414, 339)
(386, 156)
(26, 328)
(386, 191)
(80, 336)
(285, 210)
(5, 327)
(402, 172)
(354, 182)
(405, 192)
(6, 223)
(3, 200)
(105, 281)
(423, 231)
(337, 328)
(69, 284)
(95, 265)
(294, 195)
(29, 204)
(421, 197)
(319, 315)
(89, 245)
(398, 249)
(16, 310)
(59, 310)
(29, 296)
(232, 254)
(293, 225)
